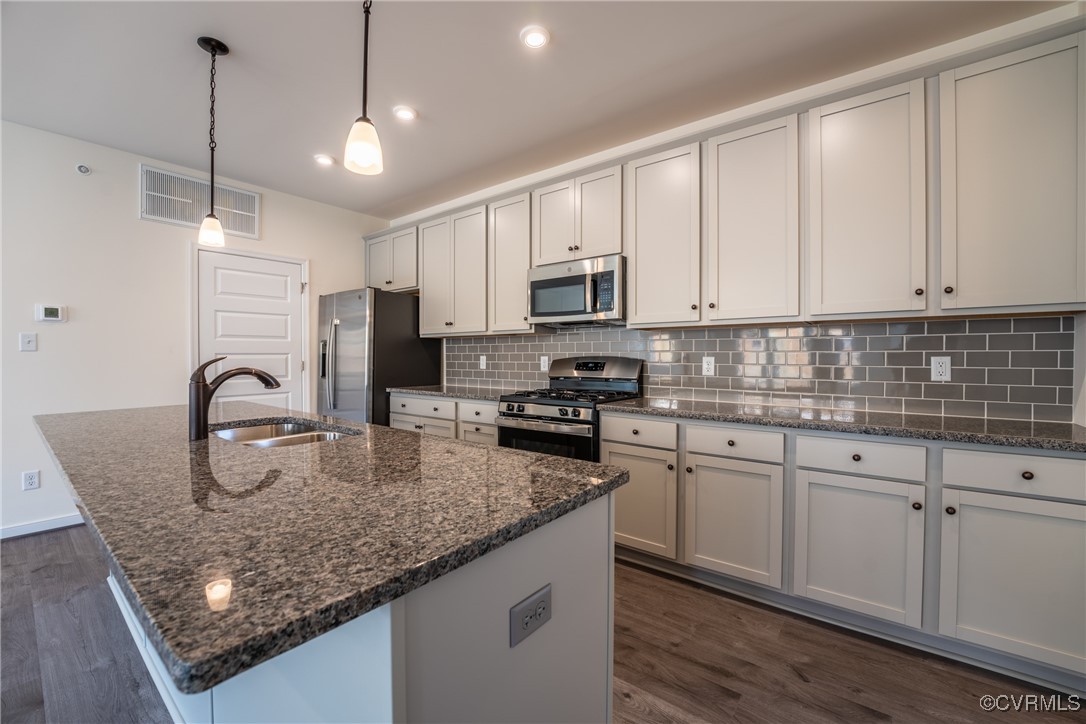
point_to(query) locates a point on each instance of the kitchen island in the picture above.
(366, 578)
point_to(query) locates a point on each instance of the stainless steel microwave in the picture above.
(585, 291)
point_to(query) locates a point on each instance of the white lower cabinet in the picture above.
(645, 508)
(1013, 576)
(486, 434)
(425, 425)
(734, 517)
(859, 544)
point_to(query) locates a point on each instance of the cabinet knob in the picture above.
(949, 290)
(435, 409)
(418, 427)
(918, 506)
(693, 306)
(477, 413)
(951, 510)
(919, 292)
(576, 247)
(712, 305)
(636, 431)
(670, 466)
(403, 404)
(1027, 475)
(389, 281)
(525, 319)
(690, 470)
(856, 457)
(478, 429)
(570, 248)
(731, 443)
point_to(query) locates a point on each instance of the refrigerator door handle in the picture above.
(330, 383)
(323, 373)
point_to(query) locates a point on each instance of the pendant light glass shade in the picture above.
(363, 151)
(211, 232)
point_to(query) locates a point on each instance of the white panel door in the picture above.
(404, 265)
(379, 263)
(734, 517)
(435, 278)
(252, 310)
(645, 507)
(552, 223)
(598, 213)
(752, 233)
(867, 204)
(663, 237)
(860, 544)
(1013, 159)
(1013, 576)
(509, 241)
(469, 271)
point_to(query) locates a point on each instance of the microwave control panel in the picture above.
(605, 291)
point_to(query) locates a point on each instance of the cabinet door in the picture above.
(469, 271)
(1013, 576)
(438, 428)
(485, 434)
(379, 263)
(734, 517)
(510, 256)
(597, 211)
(663, 228)
(1012, 160)
(552, 223)
(405, 271)
(435, 284)
(867, 207)
(752, 232)
(645, 507)
(860, 544)
(399, 421)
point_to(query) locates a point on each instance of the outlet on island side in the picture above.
(940, 369)
(31, 479)
(526, 617)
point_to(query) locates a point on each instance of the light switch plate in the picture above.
(28, 342)
(482, 361)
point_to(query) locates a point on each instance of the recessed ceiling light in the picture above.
(324, 159)
(534, 36)
(405, 113)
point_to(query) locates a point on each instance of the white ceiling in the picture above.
(129, 75)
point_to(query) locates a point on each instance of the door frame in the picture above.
(194, 307)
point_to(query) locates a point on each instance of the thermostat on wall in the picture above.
(50, 313)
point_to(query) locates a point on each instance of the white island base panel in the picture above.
(441, 653)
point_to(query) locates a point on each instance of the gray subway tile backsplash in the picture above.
(1007, 368)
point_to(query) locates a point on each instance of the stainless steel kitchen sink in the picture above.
(298, 439)
(279, 435)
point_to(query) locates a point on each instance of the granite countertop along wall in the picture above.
(311, 536)
(459, 392)
(1061, 436)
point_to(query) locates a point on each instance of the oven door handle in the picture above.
(517, 422)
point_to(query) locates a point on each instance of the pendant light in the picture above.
(211, 230)
(363, 152)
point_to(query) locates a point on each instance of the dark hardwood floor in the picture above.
(683, 653)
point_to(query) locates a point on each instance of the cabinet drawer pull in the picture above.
(477, 413)
(635, 431)
(403, 404)
(918, 506)
(712, 305)
(919, 292)
(576, 247)
(949, 290)
(951, 510)
(670, 466)
(1027, 475)
(690, 470)
(731, 443)
(569, 248)
(525, 319)
(435, 409)
(693, 306)
(418, 427)
(478, 429)
(856, 457)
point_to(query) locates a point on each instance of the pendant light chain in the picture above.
(211, 131)
(366, 56)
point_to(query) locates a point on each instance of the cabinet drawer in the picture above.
(733, 442)
(486, 434)
(479, 412)
(1013, 473)
(639, 431)
(425, 406)
(859, 457)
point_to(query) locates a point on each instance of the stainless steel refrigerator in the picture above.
(369, 341)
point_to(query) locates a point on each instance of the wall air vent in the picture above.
(174, 198)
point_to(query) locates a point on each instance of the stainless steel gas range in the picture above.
(562, 419)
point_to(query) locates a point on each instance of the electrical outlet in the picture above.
(28, 342)
(529, 615)
(482, 361)
(708, 365)
(31, 479)
(544, 363)
(940, 369)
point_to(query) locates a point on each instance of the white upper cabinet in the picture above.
(1013, 154)
(469, 282)
(510, 254)
(435, 285)
(578, 218)
(663, 237)
(867, 204)
(752, 231)
(392, 261)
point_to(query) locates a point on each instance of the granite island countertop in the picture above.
(311, 536)
(1061, 436)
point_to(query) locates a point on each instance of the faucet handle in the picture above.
(198, 373)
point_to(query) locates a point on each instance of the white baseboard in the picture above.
(61, 521)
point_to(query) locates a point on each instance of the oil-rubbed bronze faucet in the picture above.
(201, 391)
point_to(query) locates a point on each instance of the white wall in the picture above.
(78, 240)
